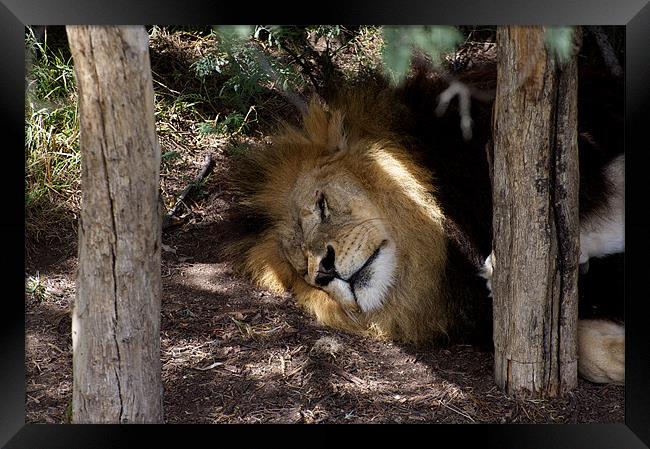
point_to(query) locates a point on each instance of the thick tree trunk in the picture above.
(116, 317)
(535, 191)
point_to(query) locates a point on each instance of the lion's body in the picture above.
(376, 215)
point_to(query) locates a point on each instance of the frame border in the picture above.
(635, 14)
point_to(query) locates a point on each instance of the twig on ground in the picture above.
(298, 369)
(252, 108)
(55, 347)
(207, 165)
(342, 373)
(455, 410)
(209, 367)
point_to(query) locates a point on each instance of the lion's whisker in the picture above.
(353, 225)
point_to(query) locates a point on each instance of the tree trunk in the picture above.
(535, 192)
(116, 317)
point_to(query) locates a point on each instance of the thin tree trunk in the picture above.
(116, 317)
(535, 191)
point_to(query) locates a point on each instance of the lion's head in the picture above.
(351, 227)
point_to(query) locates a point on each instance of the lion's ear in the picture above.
(325, 127)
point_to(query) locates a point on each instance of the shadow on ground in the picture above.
(232, 353)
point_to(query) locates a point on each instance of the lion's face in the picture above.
(350, 227)
(337, 240)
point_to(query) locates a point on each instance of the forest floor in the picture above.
(232, 353)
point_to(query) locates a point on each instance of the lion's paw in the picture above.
(601, 351)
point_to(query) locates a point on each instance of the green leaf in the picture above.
(240, 32)
(559, 42)
(399, 43)
(396, 54)
(170, 155)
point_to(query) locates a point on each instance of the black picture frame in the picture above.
(634, 14)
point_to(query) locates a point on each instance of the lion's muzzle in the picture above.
(326, 271)
(366, 284)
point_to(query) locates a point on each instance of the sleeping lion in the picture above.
(377, 214)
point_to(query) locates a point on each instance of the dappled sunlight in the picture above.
(204, 276)
(406, 180)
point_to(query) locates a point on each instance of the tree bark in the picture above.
(535, 221)
(116, 316)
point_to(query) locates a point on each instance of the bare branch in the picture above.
(291, 96)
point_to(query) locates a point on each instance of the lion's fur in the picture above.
(601, 351)
(430, 188)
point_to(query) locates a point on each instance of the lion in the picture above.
(376, 215)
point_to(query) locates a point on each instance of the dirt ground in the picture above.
(232, 353)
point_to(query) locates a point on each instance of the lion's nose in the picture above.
(326, 271)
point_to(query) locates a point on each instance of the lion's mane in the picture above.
(373, 133)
